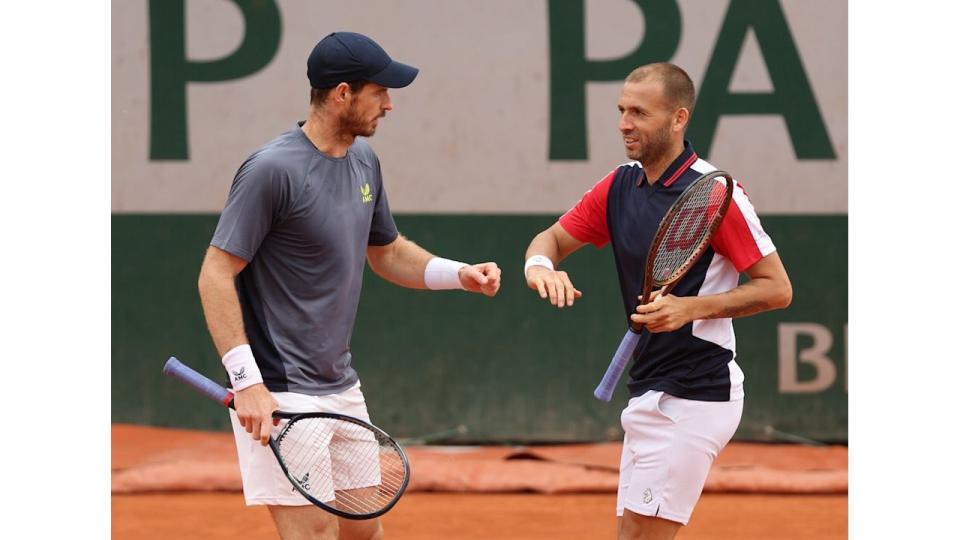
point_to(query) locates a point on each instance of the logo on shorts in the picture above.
(365, 194)
(239, 375)
(647, 496)
(305, 482)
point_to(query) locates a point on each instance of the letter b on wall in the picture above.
(815, 356)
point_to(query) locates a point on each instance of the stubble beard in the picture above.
(353, 124)
(653, 149)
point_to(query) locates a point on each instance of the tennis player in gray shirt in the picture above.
(280, 283)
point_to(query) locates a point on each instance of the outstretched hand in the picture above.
(482, 278)
(554, 284)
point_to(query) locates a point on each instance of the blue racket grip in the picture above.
(178, 370)
(621, 358)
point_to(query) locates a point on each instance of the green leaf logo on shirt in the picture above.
(365, 194)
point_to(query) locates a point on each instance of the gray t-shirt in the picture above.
(303, 221)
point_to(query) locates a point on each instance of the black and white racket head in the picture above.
(349, 467)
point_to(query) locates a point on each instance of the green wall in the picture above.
(512, 369)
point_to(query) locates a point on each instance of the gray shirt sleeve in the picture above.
(260, 197)
(383, 230)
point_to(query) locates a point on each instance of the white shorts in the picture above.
(263, 480)
(669, 445)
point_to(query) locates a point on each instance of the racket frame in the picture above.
(208, 388)
(649, 282)
(294, 417)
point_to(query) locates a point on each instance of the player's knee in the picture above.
(294, 522)
(377, 534)
(372, 532)
(629, 528)
(325, 529)
(637, 527)
(314, 531)
(367, 530)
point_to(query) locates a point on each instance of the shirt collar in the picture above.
(676, 169)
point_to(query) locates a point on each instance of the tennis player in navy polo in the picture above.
(686, 390)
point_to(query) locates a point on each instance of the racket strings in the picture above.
(688, 229)
(335, 460)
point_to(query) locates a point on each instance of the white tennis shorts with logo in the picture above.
(263, 480)
(669, 445)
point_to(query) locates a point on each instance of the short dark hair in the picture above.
(676, 83)
(319, 95)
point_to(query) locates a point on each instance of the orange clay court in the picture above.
(171, 483)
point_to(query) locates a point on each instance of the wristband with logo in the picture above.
(241, 367)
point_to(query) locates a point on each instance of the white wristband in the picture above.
(443, 273)
(537, 260)
(241, 367)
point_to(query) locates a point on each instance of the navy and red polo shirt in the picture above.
(624, 209)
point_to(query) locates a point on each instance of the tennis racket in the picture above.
(345, 466)
(683, 235)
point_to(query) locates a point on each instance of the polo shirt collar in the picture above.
(676, 169)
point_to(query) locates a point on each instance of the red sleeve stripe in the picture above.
(740, 237)
(587, 220)
(764, 243)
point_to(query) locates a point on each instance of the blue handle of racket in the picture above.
(180, 371)
(618, 365)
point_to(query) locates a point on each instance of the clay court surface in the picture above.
(435, 516)
(172, 484)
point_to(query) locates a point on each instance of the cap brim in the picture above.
(395, 75)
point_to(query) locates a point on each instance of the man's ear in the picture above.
(681, 118)
(341, 94)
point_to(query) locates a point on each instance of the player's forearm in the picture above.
(402, 263)
(555, 243)
(221, 308)
(544, 244)
(755, 296)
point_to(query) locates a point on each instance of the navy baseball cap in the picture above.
(348, 56)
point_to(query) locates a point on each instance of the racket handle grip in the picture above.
(621, 358)
(180, 371)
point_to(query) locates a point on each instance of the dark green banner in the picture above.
(511, 369)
